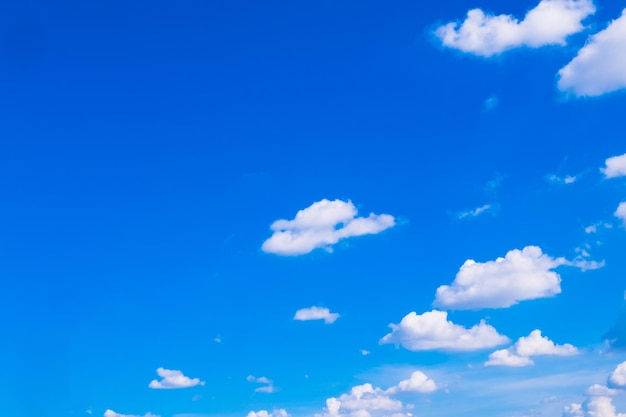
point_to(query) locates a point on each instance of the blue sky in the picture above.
(272, 209)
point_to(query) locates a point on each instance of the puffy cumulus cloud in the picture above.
(322, 225)
(417, 382)
(264, 413)
(521, 275)
(433, 331)
(617, 378)
(549, 23)
(172, 379)
(316, 313)
(268, 385)
(111, 413)
(600, 65)
(593, 407)
(615, 166)
(621, 212)
(532, 345)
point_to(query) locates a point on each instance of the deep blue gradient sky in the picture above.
(147, 147)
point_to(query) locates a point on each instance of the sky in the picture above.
(313, 209)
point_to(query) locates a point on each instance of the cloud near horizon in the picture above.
(549, 23)
(433, 331)
(322, 225)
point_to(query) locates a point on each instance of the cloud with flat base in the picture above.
(173, 379)
(532, 345)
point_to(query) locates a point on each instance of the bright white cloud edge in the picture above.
(316, 313)
(532, 345)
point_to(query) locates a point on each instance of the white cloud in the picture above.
(268, 386)
(549, 23)
(365, 352)
(615, 165)
(111, 413)
(600, 66)
(316, 313)
(618, 376)
(473, 213)
(568, 179)
(418, 382)
(621, 212)
(322, 225)
(172, 379)
(264, 413)
(521, 275)
(433, 331)
(533, 345)
(593, 407)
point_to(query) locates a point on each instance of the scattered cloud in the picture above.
(600, 66)
(173, 379)
(418, 382)
(568, 179)
(533, 345)
(475, 212)
(594, 227)
(264, 413)
(316, 313)
(365, 352)
(615, 166)
(268, 384)
(433, 331)
(549, 23)
(322, 225)
(599, 402)
(111, 413)
(521, 275)
(620, 213)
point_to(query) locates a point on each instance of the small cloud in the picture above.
(600, 66)
(620, 213)
(596, 226)
(549, 23)
(268, 387)
(322, 225)
(111, 413)
(615, 166)
(475, 212)
(418, 382)
(533, 345)
(365, 352)
(264, 413)
(218, 340)
(173, 379)
(316, 313)
(433, 331)
(568, 179)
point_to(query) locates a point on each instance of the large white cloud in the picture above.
(433, 331)
(321, 225)
(599, 402)
(621, 212)
(617, 378)
(521, 275)
(549, 23)
(615, 166)
(172, 379)
(532, 345)
(316, 313)
(111, 413)
(600, 65)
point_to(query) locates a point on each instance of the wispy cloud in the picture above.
(268, 384)
(475, 212)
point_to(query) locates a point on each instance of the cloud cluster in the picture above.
(111, 413)
(316, 313)
(366, 400)
(599, 402)
(524, 274)
(264, 413)
(615, 166)
(322, 225)
(268, 384)
(433, 331)
(173, 379)
(549, 23)
(533, 345)
(600, 65)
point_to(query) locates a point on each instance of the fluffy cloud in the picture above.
(549, 23)
(617, 378)
(316, 313)
(621, 212)
(264, 413)
(171, 379)
(268, 386)
(600, 66)
(417, 382)
(111, 413)
(433, 331)
(593, 407)
(615, 165)
(521, 275)
(533, 345)
(322, 225)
